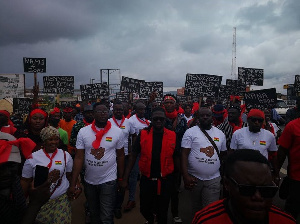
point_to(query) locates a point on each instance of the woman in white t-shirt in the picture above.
(59, 164)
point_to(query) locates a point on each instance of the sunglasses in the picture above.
(253, 119)
(158, 118)
(249, 190)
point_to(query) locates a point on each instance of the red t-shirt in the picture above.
(218, 212)
(290, 139)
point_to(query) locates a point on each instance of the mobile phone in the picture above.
(41, 175)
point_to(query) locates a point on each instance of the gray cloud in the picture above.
(150, 40)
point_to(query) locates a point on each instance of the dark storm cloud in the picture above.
(33, 21)
(282, 16)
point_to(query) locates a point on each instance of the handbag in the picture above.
(284, 188)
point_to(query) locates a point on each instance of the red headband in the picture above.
(169, 98)
(55, 110)
(38, 111)
(256, 113)
(5, 112)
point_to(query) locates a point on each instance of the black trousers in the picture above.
(151, 203)
(292, 204)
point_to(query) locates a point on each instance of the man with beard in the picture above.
(232, 123)
(203, 147)
(175, 122)
(248, 179)
(156, 146)
(100, 146)
(255, 137)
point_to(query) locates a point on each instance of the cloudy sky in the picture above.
(151, 40)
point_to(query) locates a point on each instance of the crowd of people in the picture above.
(225, 156)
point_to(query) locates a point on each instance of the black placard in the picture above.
(251, 76)
(123, 96)
(131, 85)
(94, 91)
(58, 84)
(182, 99)
(235, 87)
(200, 85)
(297, 83)
(148, 87)
(224, 92)
(32, 65)
(261, 99)
(22, 105)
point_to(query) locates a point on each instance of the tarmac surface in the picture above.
(134, 216)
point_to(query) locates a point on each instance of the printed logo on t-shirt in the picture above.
(122, 127)
(58, 163)
(208, 151)
(108, 139)
(216, 139)
(262, 142)
(98, 153)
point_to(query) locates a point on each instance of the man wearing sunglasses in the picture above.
(156, 145)
(255, 137)
(248, 179)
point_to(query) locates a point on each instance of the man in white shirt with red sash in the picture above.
(123, 123)
(100, 146)
(137, 122)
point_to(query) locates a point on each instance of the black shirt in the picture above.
(156, 149)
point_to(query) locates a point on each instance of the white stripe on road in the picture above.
(284, 171)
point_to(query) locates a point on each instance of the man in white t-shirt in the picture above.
(257, 138)
(100, 146)
(137, 123)
(200, 161)
(118, 120)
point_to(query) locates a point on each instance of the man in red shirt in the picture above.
(248, 179)
(289, 146)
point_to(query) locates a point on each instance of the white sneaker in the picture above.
(177, 220)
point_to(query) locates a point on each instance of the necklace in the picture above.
(253, 140)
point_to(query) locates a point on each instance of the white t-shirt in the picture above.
(58, 163)
(137, 125)
(262, 141)
(126, 129)
(103, 170)
(200, 165)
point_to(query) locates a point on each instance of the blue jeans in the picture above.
(101, 199)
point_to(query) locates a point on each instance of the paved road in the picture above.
(134, 216)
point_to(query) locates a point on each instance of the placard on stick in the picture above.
(34, 65)
(22, 105)
(261, 99)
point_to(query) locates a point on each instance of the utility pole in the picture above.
(109, 71)
(233, 63)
